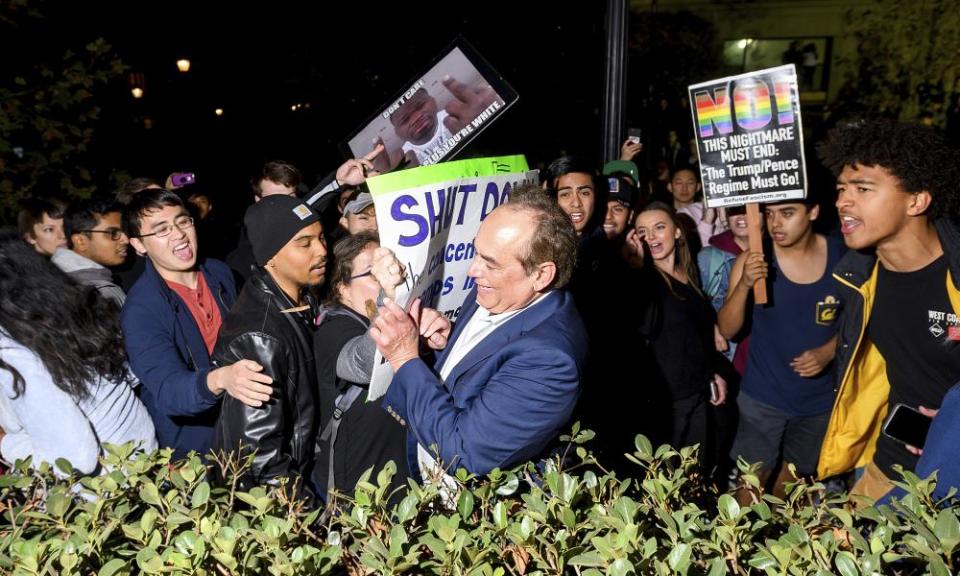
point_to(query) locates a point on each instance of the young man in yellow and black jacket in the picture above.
(899, 338)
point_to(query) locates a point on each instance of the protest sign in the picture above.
(437, 114)
(750, 138)
(428, 217)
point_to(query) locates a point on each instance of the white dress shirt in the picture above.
(480, 325)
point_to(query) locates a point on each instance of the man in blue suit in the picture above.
(509, 379)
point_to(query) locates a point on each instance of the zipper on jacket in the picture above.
(863, 329)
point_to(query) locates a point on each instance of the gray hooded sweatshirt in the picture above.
(87, 272)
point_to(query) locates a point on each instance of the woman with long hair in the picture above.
(64, 383)
(679, 329)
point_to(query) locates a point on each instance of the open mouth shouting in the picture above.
(183, 251)
(849, 224)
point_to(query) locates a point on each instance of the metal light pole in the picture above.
(615, 86)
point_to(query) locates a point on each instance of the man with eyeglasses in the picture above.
(171, 320)
(95, 243)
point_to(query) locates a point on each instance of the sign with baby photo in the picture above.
(428, 217)
(437, 114)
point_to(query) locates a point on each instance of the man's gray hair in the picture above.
(554, 239)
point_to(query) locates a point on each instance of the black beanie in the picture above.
(274, 221)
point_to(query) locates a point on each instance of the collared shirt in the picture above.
(480, 325)
(202, 307)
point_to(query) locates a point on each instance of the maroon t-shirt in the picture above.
(725, 242)
(202, 307)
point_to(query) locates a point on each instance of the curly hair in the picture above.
(72, 328)
(918, 156)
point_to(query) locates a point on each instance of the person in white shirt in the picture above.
(419, 123)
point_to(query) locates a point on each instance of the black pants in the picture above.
(689, 423)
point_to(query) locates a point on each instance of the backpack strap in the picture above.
(342, 404)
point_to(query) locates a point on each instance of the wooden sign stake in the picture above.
(756, 245)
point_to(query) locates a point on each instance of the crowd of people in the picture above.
(601, 295)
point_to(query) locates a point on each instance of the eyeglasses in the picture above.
(115, 233)
(367, 273)
(182, 223)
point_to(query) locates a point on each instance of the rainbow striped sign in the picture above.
(749, 137)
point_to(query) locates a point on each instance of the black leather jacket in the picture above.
(283, 431)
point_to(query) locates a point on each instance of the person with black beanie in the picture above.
(272, 323)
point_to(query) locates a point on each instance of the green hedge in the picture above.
(147, 516)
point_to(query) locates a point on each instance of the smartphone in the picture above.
(907, 425)
(635, 135)
(181, 179)
(714, 391)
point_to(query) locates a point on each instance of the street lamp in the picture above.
(744, 44)
(183, 65)
(218, 111)
(136, 83)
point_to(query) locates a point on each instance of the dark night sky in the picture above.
(255, 62)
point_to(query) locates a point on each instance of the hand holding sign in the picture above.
(468, 102)
(387, 270)
(750, 144)
(354, 172)
(385, 161)
(395, 334)
(428, 217)
(754, 269)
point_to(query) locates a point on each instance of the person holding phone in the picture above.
(939, 447)
(632, 146)
(900, 343)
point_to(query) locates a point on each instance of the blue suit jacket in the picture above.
(507, 398)
(168, 355)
